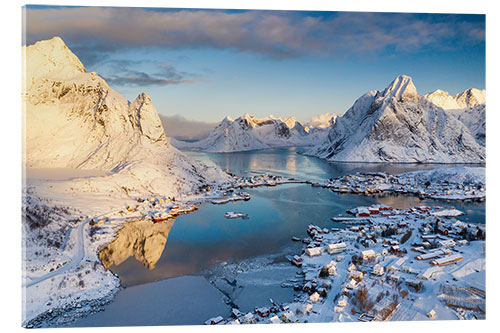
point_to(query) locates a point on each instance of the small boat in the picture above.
(296, 260)
(161, 217)
(235, 215)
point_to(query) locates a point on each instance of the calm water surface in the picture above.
(201, 239)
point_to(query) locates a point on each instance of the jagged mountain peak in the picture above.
(246, 116)
(402, 89)
(438, 93)
(471, 97)
(50, 58)
(442, 99)
(148, 120)
(144, 98)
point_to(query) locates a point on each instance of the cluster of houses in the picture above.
(155, 209)
(396, 250)
(380, 182)
(262, 180)
(276, 314)
(230, 196)
(160, 209)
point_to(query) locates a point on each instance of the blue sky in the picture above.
(205, 64)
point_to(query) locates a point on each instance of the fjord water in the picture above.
(168, 289)
(203, 238)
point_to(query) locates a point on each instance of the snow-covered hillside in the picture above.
(398, 125)
(249, 133)
(73, 119)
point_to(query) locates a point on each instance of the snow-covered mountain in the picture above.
(73, 119)
(469, 107)
(398, 125)
(249, 133)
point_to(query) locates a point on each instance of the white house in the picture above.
(447, 243)
(342, 302)
(378, 270)
(368, 254)
(308, 307)
(352, 284)
(336, 247)
(313, 251)
(331, 268)
(429, 272)
(314, 297)
(289, 317)
(248, 318)
(356, 275)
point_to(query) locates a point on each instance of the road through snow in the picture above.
(75, 260)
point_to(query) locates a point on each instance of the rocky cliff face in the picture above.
(397, 125)
(73, 119)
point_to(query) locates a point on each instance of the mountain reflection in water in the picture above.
(143, 240)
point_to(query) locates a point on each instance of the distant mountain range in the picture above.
(250, 133)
